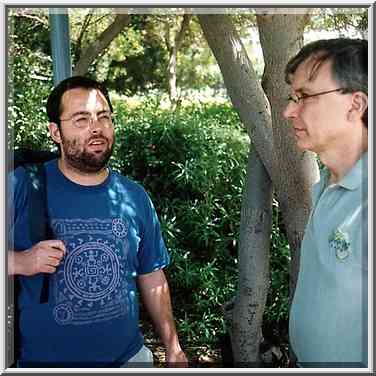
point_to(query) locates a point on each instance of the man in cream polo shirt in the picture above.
(328, 109)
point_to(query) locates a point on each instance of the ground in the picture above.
(274, 349)
(199, 356)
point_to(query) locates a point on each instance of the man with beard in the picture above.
(107, 246)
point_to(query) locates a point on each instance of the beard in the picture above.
(83, 160)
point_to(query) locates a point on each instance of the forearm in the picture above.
(162, 316)
(156, 298)
(16, 263)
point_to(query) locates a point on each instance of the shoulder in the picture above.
(18, 176)
(129, 185)
(18, 186)
(51, 165)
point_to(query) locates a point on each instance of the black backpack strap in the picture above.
(24, 156)
(39, 224)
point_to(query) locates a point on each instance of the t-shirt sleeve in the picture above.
(152, 253)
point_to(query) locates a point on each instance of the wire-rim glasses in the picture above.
(300, 98)
(85, 119)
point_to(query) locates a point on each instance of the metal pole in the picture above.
(60, 44)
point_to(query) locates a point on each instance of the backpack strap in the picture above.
(39, 224)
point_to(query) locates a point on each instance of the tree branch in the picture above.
(247, 96)
(82, 33)
(95, 49)
(22, 13)
(183, 28)
(171, 69)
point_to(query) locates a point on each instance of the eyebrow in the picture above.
(89, 113)
(302, 90)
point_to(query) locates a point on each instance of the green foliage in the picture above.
(277, 305)
(31, 31)
(144, 63)
(349, 22)
(193, 165)
(137, 59)
(196, 65)
(29, 85)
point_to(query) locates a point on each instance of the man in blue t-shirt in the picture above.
(328, 109)
(106, 247)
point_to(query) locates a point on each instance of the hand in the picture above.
(176, 358)
(43, 257)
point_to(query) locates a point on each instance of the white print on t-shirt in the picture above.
(90, 284)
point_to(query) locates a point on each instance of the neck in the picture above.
(341, 160)
(80, 177)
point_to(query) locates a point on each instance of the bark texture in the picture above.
(241, 83)
(171, 69)
(92, 51)
(281, 37)
(291, 172)
(254, 244)
(249, 100)
(83, 31)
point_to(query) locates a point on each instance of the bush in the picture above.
(193, 165)
(30, 85)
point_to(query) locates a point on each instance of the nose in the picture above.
(95, 125)
(291, 110)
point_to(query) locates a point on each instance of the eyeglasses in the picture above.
(300, 99)
(84, 119)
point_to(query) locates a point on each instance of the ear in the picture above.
(359, 104)
(54, 132)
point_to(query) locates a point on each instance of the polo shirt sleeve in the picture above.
(152, 253)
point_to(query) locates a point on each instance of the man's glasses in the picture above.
(298, 99)
(85, 119)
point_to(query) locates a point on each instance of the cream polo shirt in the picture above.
(328, 318)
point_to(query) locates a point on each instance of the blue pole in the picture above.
(60, 44)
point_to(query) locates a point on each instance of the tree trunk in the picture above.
(254, 244)
(92, 51)
(248, 99)
(281, 37)
(291, 172)
(171, 69)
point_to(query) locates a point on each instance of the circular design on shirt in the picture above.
(63, 314)
(342, 254)
(119, 228)
(92, 271)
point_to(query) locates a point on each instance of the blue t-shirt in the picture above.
(112, 234)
